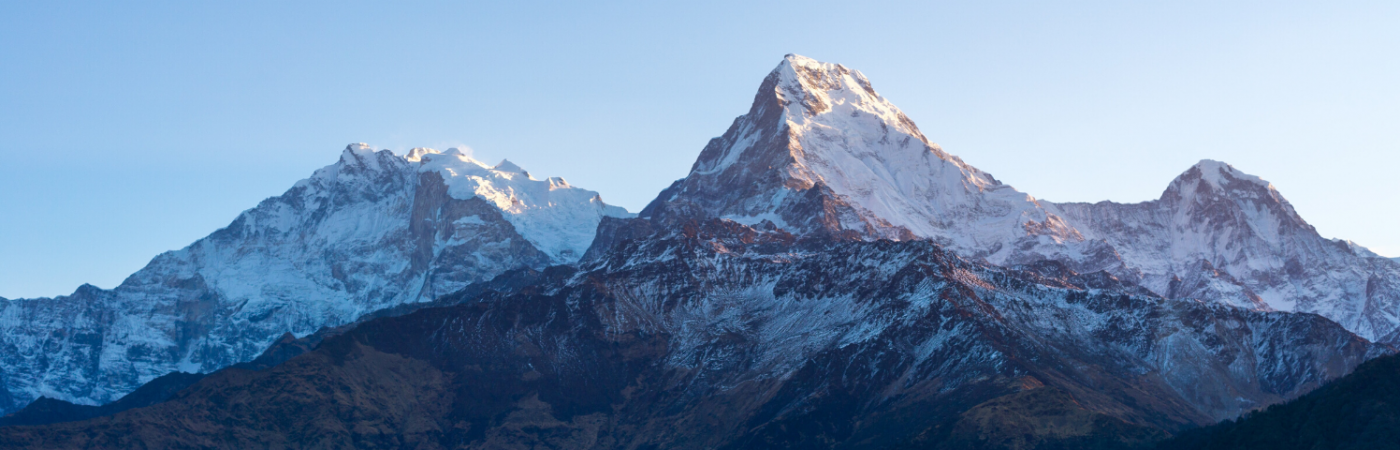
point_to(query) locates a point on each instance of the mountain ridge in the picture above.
(1245, 244)
(369, 232)
(720, 335)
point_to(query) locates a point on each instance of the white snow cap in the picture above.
(417, 153)
(356, 151)
(507, 166)
(359, 154)
(1215, 172)
(556, 218)
(829, 98)
(832, 129)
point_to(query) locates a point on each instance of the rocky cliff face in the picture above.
(372, 231)
(718, 335)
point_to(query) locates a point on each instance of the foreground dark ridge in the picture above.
(718, 335)
(1358, 411)
(46, 410)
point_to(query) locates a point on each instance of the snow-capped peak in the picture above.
(552, 215)
(358, 154)
(507, 166)
(820, 149)
(1220, 175)
(417, 153)
(557, 218)
(1212, 188)
(1245, 229)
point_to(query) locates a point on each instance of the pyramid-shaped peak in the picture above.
(1218, 175)
(821, 152)
(798, 73)
(507, 166)
(358, 148)
(359, 154)
(811, 117)
(1218, 193)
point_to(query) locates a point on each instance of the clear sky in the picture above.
(131, 129)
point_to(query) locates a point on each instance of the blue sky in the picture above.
(129, 130)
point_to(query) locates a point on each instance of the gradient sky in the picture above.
(131, 129)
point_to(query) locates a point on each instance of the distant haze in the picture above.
(126, 131)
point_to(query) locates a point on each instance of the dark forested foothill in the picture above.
(1360, 411)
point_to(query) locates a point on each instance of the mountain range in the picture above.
(824, 276)
(821, 151)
